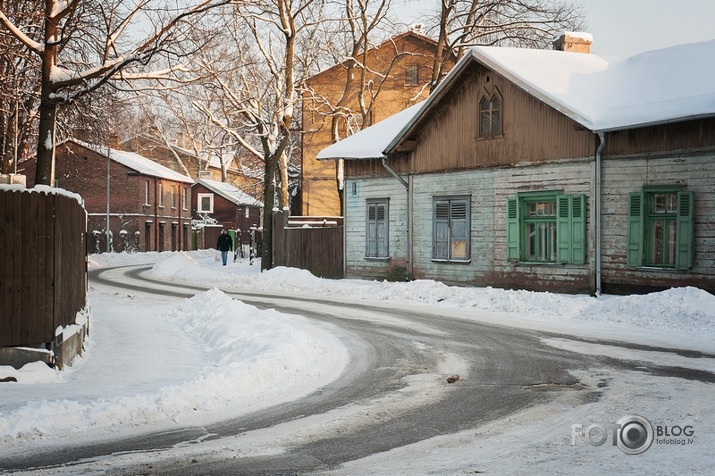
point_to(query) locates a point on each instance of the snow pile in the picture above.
(251, 359)
(688, 312)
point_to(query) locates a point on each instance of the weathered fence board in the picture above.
(318, 249)
(43, 272)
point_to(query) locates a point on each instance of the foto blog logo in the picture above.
(633, 434)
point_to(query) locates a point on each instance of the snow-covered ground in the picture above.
(163, 363)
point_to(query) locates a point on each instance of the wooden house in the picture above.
(131, 201)
(545, 170)
(228, 205)
(398, 74)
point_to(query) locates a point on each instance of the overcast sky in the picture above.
(627, 27)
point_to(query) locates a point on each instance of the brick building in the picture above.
(149, 205)
(400, 69)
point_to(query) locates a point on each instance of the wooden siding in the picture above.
(357, 265)
(625, 175)
(489, 190)
(533, 132)
(43, 281)
(670, 138)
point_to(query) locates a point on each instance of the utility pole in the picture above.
(109, 233)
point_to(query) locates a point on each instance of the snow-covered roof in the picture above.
(137, 162)
(599, 92)
(604, 93)
(230, 192)
(370, 142)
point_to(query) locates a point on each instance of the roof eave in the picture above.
(660, 122)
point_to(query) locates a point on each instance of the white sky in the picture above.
(625, 28)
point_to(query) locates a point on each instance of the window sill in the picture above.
(376, 258)
(456, 261)
(539, 263)
(660, 268)
(481, 138)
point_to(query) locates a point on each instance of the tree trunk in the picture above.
(285, 198)
(269, 194)
(45, 171)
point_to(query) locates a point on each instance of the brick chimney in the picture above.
(574, 42)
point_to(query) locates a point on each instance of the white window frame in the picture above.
(147, 194)
(199, 202)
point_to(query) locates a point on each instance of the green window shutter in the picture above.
(578, 229)
(512, 228)
(563, 228)
(636, 205)
(684, 233)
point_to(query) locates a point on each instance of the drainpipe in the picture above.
(408, 189)
(394, 174)
(598, 198)
(156, 214)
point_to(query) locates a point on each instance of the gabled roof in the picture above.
(410, 33)
(135, 162)
(370, 143)
(160, 143)
(230, 192)
(601, 93)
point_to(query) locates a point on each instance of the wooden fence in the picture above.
(43, 267)
(311, 243)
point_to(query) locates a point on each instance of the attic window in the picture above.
(412, 75)
(490, 116)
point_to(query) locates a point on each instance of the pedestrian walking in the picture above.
(224, 244)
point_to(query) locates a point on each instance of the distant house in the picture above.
(181, 156)
(398, 73)
(544, 170)
(148, 207)
(228, 205)
(175, 156)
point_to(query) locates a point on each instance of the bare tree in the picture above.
(20, 86)
(251, 88)
(361, 27)
(462, 24)
(84, 44)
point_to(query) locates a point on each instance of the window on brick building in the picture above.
(412, 75)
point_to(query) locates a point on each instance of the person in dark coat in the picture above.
(224, 244)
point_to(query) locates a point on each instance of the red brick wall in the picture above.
(84, 172)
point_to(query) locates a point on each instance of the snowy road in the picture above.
(392, 395)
